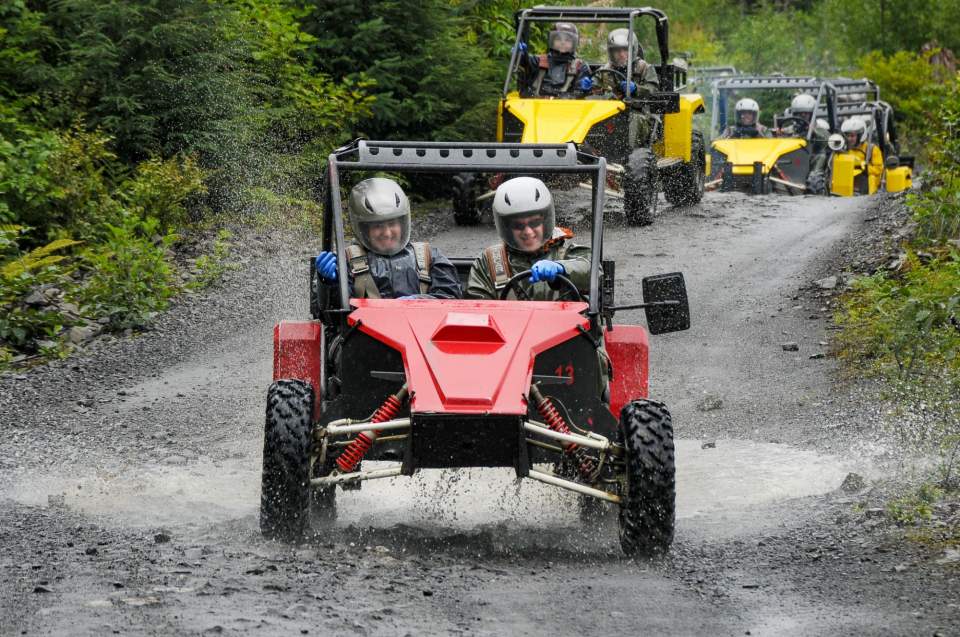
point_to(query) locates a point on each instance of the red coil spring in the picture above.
(556, 422)
(356, 450)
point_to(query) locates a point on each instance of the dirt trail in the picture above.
(130, 476)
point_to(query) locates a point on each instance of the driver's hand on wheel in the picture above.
(545, 270)
(623, 87)
(586, 84)
(326, 263)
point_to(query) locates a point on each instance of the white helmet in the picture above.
(854, 125)
(747, 105)
(622, 39)
(803, 103)
(522, 197)
(374, 201)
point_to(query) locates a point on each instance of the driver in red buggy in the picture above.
(523, 213)
(559, 72)
(385, 263)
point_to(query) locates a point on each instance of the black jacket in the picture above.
(396, 275)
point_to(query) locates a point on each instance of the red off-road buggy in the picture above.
(438, 384)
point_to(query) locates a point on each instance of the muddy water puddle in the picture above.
(732, 476)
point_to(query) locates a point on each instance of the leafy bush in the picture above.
(909, 320)
(936, 208)
(906, 81)
(128, 275)
(211, 267)
(162, 188)
(23, 323)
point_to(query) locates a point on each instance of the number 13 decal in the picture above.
(568, 368)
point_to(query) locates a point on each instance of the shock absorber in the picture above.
(555, 421)
(356, 450)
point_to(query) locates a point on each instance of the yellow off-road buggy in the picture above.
(671, 158)
(780, 163)
(877, 163)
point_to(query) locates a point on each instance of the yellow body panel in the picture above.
(899, 179)
(849, 165)
(709, 166)
(500, 121)
(844, 167)
(548, 121)
(678, 128)
(742, 153)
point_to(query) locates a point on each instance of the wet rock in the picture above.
(950, 556)
(428, 593)
(36, 298)
(82, 333)
(91, 550)
(710, 402)
(42, 589)
(709, 445)
(827, 283)
(853, 482)
(790, 346)
(875, 513)
(162, 537)
(817, 356)
(148, 600)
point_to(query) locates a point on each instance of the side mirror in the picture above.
(836, 142)
(665, 298)
(891, 162)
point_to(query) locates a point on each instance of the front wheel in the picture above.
(285, 486)
(640, 187)
(685, 186)
(647, 510)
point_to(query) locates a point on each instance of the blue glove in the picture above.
(520, 46)
(623, 87)
(586, 84)
(326, 263)
(545, 270)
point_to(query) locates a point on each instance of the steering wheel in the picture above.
(523, 296)
(621, 77)
(791, 119)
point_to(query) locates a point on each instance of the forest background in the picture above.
(133, 133)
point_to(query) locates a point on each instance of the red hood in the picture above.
(468, 356)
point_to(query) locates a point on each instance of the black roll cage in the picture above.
(524, 17)
(451, 158)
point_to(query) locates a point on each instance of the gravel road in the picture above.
(129, 473)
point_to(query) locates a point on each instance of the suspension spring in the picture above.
(555, 421)
(356, 450)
